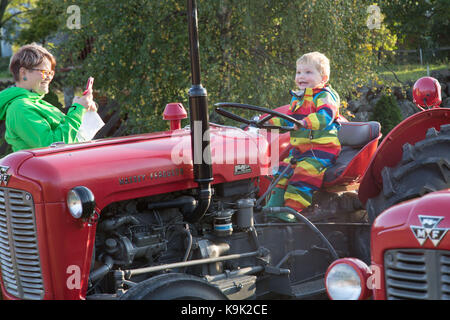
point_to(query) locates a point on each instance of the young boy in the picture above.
(315, 145)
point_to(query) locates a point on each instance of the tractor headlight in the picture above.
(81, 202)
(346, 280)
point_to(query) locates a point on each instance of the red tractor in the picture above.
(410, 248)
(178, 214)
(173, 214)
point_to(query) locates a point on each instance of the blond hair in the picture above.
(318, 60)
(28, 57)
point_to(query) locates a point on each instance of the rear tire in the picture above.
(424, 168)
(174, 286)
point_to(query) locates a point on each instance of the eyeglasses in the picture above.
(45, 73)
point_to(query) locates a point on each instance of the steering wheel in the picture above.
(261, 123)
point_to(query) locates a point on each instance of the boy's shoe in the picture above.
(276, 198)
(284, 216)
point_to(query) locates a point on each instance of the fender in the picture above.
(389, 153)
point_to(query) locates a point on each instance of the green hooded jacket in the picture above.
(33, 123)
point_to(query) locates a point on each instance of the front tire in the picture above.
(424, 168)
(174, 286)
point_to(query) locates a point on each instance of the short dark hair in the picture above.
(29, 56)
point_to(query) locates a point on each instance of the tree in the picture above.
(138, 51)
(10, 13)
(422, 23)
(387, 113)
(40, 24)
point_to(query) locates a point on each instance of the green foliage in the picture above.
(40, 25)
(139, 54)
(387, 113)
(4, 63)
(13, 16)
(52, 98)
(423, 23)
(4, 68)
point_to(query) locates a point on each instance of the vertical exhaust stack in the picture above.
(199, 121)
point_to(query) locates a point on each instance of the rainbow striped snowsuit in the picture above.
(315, 147)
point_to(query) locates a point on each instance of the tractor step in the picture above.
(309, 289)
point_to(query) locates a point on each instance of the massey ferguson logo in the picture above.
(429, 230)
(4, 177)
(242, 169)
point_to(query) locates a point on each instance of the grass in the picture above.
(408, 72)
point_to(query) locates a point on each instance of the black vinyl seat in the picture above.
(353, 136)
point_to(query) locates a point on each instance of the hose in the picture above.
(103, 270)
(189, 246)
(114, 223)
(307, 222)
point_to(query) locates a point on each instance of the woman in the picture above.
(30, 121)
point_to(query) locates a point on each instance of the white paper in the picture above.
(90, 124)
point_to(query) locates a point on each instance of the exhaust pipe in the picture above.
(199, 121)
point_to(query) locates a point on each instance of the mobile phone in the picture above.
(89, 85)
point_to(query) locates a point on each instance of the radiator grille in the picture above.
(417, 274)
(19, 255)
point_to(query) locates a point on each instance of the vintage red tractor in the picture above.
(410, 248)
(175, 214)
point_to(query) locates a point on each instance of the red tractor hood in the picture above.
(421, 222)
(136, 166)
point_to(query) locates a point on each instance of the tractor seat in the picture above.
(354, 137)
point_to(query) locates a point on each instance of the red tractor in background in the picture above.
(410, 247)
